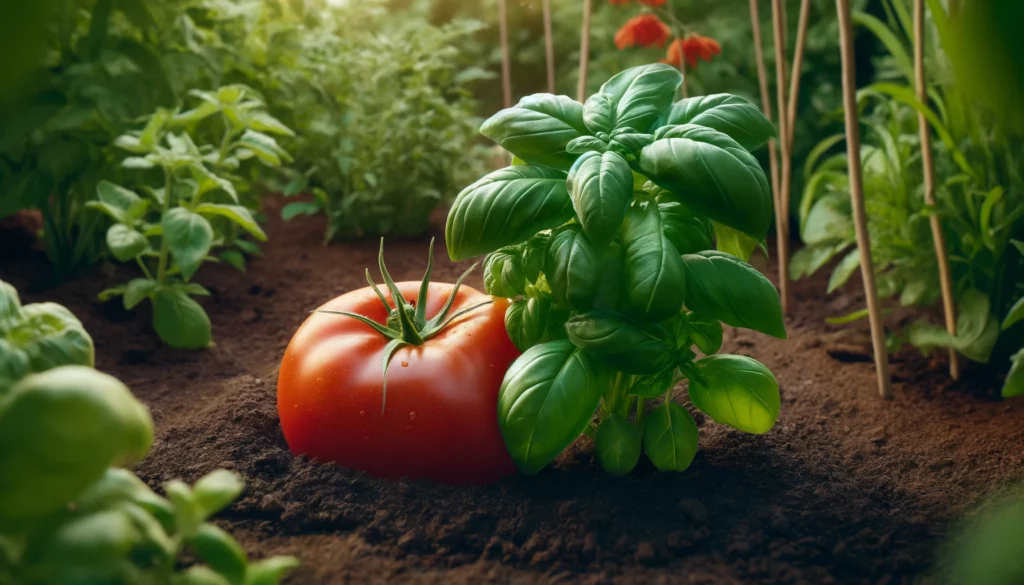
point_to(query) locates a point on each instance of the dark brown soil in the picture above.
(847, 488)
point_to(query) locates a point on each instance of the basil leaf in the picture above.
(179, 320)
(59, 431)
(688, 232)
(729, 114)
(740, 392)
(189, 237)
(622, 344)
(526, 321)
(617, 445)
(270, 571)
(220, 551)
(573, 268)
(609, 286)
(705, 332)
(534, 255)
(10, 306)
(728, 289)
(633, 99)
(1015, 314)
(601, 187)
(538, 129)
(655, 280)
(1014, 384)
(734, 242)
(844, 270)
(49, 336)
(215, 490)
(548, 397)
(137, 290)
(237, 214)
(506, 207)
(125, 243)
(585, 144)
(713, 175)
(630, 142)
(653, 386)
(116, 195)
(670, 437)
(503, 275)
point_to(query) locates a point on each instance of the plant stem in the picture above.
(161, 273)
(641, 412)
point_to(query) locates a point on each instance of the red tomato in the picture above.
(440, 419)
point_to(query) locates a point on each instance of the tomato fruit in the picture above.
(436, 418)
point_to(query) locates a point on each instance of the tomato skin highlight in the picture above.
(440, 418)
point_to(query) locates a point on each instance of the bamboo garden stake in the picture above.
(581, 89)
(549, 46)
(782, 209)
(766, 103)
(945, 280)
(857, 198)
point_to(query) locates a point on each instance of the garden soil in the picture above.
(847, 488)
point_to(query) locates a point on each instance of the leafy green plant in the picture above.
(601, 230)
(979, 199)
(170, 230)
(68, 512)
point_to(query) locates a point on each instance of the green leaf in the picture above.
(601, 187)
(47, 335)
(116, 195)
(180, 321)
(734, 242)
(585, 144)
(233, 258)
(977, 330)
(10, 305)
(200, 575)
(189, 237)
(526, 321)
(538, 129)
(271, 571)
(221, 552)
(705, 332)
(264, 147)
(844, 270)
(728, 289)
(610, 285)
(1014, 384)
(548, 397)
(729, 114)
(506, 207)
(655, 281)
(1015, 314)
(59, 432)
(503, 275)
(633, 99)
(653, 386)
(617, 445)
(740, 392)
(200, 112)
(535, 254)
(687, 232)
(264, 122)
(573, 268)
(713, 175)
(809, 259)
(622, 344)
(138, 290)
(125, 243)
(238, 214)
(630, 143)
(670, 437)
(829, 221)
(297, 208)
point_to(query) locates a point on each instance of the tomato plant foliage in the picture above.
(601, 231)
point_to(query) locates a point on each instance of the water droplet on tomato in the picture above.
(362, 413)
(412, 416)
(405, 364)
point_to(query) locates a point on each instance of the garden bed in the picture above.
(846, 488)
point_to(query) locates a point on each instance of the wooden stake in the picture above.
(782, 210)
(798, 63)
(857, 197)
(938, 237)
(549, 46)
(581, 89)
(506, 65)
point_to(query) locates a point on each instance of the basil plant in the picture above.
(69, 512)
(602, 231)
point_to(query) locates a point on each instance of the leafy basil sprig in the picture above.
(68, 512)
(170, 229)
(602, 229)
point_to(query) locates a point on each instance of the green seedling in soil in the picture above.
(602, 231)
(169, 229)
(68, 512)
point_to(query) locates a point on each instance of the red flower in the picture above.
(651, 2)
(619, 1)
(691, 48)
(645, 30)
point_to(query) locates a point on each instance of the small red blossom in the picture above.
(654, 3)
(692, 48)
(619, 1)
(646, 30)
